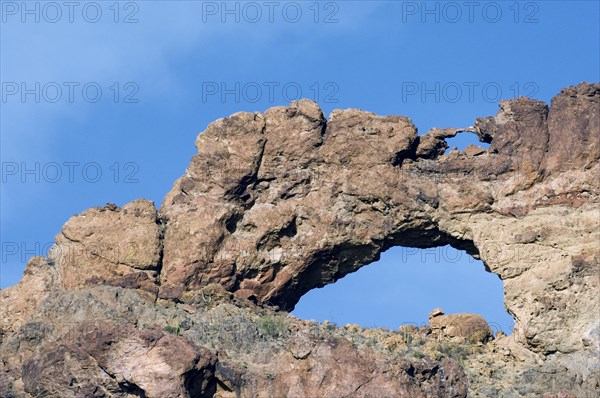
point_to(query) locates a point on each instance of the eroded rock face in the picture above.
(276, 204)
(120, 246)
(309, 200)
(105, 359)
(108, 341)
(20, 301)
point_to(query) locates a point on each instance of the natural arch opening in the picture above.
(405, 285)
(462, 140)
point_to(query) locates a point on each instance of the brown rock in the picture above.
(473, 150)
(276, 204)
(102, 359)
(20, 301)
(471, 327)
(436, 312)
(119, 246)
(341, 191)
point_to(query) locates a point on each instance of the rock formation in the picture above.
(190, 299)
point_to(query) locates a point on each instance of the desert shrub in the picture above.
(418, 354)
(176, 330)
(329, 326)
(457, 352)
(272, 326)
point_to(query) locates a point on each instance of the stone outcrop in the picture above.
(120, 246)
(278, 203)
(471, 327)
(95, 359)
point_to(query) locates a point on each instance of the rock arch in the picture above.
(275, 204)
(288, 201)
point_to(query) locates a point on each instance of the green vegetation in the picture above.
(418, 354)
(176, 330)
(272, 326)
(329, 326)
(458, 352)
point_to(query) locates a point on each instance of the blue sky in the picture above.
(138, 81)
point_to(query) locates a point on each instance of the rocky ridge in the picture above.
(190, 299)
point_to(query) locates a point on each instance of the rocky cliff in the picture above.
(190, 300)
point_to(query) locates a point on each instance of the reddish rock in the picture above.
(118, 246)
(276, 204)
(103, 359)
